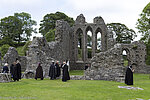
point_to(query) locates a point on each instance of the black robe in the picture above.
(39, 73)
(58, 72)
(52, 72)
(19, 70)
(12, 70)
(65, 74)
(15, 73)
(129, 77)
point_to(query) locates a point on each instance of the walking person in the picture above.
(65, 74)
(52, 71)
(129, 75)
(39, 72)
(58, 71)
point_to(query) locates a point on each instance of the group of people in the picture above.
(15, 70)
(54, 71)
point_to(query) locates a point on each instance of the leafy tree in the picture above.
(4, 49)
(50, 35)
(49, 20)
(143, 23)
(122, 33)
(18, 27)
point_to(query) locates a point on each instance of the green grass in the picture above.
(74, 89)
(76, 72)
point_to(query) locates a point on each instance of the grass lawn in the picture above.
(74, 89)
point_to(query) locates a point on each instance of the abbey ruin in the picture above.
(105, 65)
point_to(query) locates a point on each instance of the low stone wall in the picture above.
(5, 77)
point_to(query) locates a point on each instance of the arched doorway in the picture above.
(125, 56)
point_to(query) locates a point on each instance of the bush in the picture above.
(4, 49)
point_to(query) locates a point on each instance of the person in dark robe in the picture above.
(65, 74)
(15, 72)
(39, 72)
(52, 71)
(18, 65)
(5, 68)
(58, 72)
(12, 69)
(129, 76)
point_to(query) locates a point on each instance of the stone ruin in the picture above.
(105, 65)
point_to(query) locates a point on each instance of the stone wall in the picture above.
(11, 56)
(107, 66)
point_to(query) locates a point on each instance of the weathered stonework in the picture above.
(5, 77)
(11, 56)
(106, 65)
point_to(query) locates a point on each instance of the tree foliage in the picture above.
(122, 33)
(50, 35)
(143, 23)
(4, 49)
(18, 28)
(49, 20)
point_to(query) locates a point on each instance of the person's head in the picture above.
(64, 62)
(57, 62)
(6, 64)
(39, 64)
(14, 63)
(53, 61)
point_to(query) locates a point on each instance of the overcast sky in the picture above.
(117, 11)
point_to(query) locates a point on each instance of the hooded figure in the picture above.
(5, 68)
(39, 72)
(15, 72)
(18, 68)
(129, 76)
(58, 72)
(12, 69)
(65, 74)
(52, 71)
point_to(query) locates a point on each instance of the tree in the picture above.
(49, 20)
(4, 49)
(18, 27)
(122, 33)
(50, 35)
(143, 23)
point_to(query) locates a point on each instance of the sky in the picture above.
(113, 11)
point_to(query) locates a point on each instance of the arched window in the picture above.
(125, 57)
(79, 44)
(98, 39)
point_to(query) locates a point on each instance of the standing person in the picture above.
(65, 74)
(18, 65)
(58, 72)
(15, 72)
(39, 72)
(12, 69)
(52, 71)
(86, 66)
(68, 64)
(5, 68)
(129, 75)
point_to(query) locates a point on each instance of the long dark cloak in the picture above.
(52, 72)
(15, 73)
(129, 77)
(19, 70)
(12, 70)
(39, 72)
(65, 75)
(58, 72)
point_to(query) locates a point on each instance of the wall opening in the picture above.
(98, 41)
(89, 44)
(125, 58)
